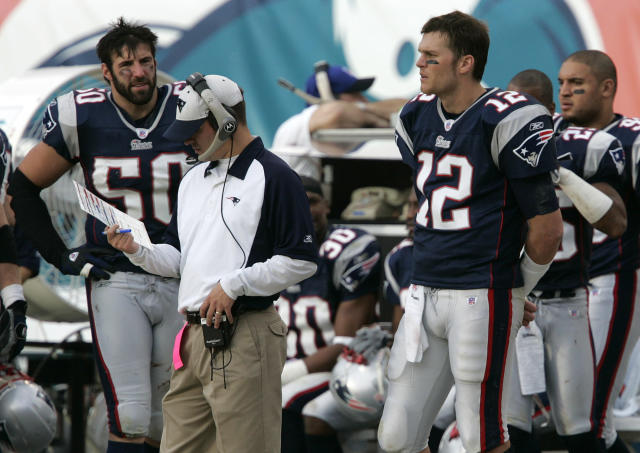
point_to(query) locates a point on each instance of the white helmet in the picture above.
(27, 415)
(359, 383)
(451, 441)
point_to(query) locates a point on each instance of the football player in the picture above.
(588, 83)
(116, 135)
(323, 313)
(481, 160)
(13, 308)
(561, 294)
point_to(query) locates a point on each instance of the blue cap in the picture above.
(342, 81)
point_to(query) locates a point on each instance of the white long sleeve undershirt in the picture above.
(260, 279)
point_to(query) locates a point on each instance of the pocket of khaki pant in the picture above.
(279, 328)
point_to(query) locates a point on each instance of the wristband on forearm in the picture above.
(11, 294)
(532, 272)
(590, 202)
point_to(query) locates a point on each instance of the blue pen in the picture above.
(120, 231)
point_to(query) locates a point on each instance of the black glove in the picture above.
(13, 330)
(86, 261)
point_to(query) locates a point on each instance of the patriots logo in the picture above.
(345, 395)
(181, 104)
(618, 158)
(50, 124)
(234, 200)
(531, 148)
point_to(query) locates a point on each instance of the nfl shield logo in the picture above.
(448, 125)
(142, 133)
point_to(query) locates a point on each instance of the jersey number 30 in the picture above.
(432, 207)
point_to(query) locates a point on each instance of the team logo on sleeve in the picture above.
(49, 124)
(618, 158)
(531, 148)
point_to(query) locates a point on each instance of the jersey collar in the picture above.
(241, 165)
(449, 122)
(616, 120)
(141, 132)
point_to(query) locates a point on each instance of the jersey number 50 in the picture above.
(459, 217)
(129, 167)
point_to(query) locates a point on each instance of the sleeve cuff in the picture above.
(232, 286)
(138, 257)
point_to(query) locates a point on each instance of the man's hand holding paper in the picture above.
(111, 216)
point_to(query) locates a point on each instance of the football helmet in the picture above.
(358, 380)
(28, 417)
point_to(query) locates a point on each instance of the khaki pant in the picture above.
(201, 416)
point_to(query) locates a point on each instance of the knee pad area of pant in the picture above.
(393, 432)
(133, 420)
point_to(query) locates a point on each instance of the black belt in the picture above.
(193, 317)
(557, 294)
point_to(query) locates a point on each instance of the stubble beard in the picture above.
(136, 99)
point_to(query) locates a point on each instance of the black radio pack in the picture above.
(216, 338)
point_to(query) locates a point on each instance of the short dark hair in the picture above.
(124, 34)
(533, 80)
(599, 62)
(467, 36)
(240, 110)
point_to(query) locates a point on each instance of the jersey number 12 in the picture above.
(432, 207)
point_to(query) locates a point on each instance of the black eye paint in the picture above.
(578, 91)
(432, 62)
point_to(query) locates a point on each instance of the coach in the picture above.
(240, 234)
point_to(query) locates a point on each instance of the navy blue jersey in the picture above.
(469, 228)
(613, 255)
(595, 156)
(398, 267)
(5, 164)
(348, 268)
(127, 163)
